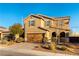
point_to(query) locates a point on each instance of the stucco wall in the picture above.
(52, 28)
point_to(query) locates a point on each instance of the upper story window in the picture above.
(61, 23)
(48, 23)
(32, 23)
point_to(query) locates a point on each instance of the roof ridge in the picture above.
(36, 16)
(45, 16)
(3, 27)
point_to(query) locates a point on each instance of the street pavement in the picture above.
(26, 52)
(26, 49)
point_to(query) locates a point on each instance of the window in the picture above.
(47, 23)
(32, 23)
(61, 23)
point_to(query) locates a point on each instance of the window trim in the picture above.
(48, 23)
(32, 23)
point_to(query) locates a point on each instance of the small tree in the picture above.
(16, 30)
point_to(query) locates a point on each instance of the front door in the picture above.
(62, 37)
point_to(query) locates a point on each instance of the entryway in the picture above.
(62, 37)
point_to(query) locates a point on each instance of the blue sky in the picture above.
(13, 13)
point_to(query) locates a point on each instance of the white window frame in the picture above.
(30, 22)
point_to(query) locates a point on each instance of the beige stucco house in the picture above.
(39, 26)
(3, 31)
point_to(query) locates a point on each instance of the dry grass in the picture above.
(11, 43)
(66, 48)
(6, 43)
(72, 50)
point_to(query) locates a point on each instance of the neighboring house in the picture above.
(39, 26)
(3, 31)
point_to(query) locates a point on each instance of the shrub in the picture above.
(5, 38)
(3, 42)
(53, 47)
(60, 47)
(20, 40)
(11, 42)
(8, 37)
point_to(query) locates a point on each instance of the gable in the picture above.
(32, 16)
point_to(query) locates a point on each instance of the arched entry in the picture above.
(62, 34)
(62, 37)
(53, 36)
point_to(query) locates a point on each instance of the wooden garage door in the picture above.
(0, 36)
(34, 37)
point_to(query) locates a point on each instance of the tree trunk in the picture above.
(16, 36)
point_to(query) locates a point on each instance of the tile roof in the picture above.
(44, 17)
(3, 29)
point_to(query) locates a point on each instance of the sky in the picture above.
(11, 13)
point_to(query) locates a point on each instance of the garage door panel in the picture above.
(32, 37)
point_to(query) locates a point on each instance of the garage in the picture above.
(35, 37)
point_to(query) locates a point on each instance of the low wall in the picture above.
(74, 39)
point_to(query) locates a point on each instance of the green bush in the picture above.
(20, 40)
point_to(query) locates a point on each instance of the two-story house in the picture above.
(39, 26)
